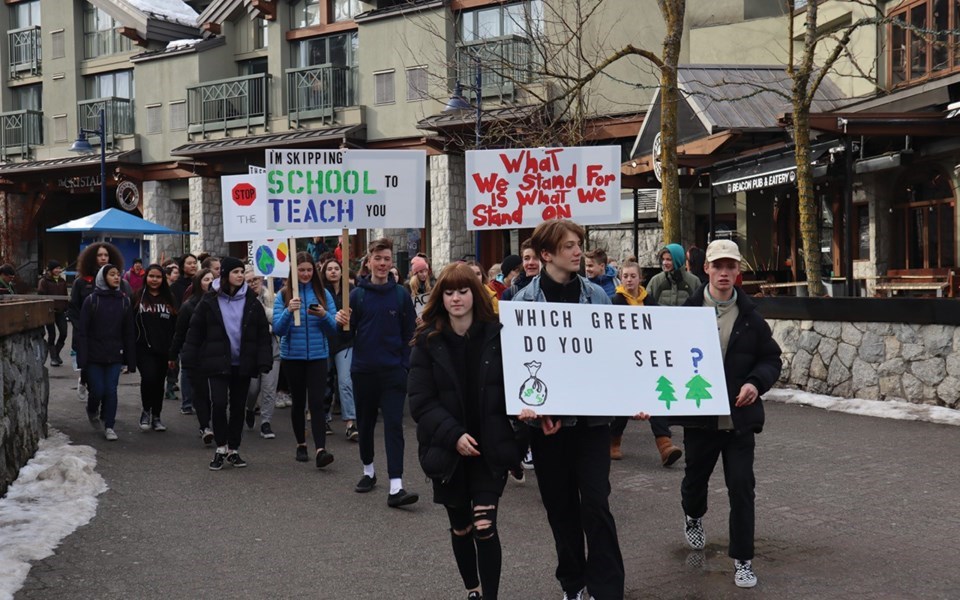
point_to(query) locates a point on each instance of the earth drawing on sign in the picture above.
(533, 391)
(266, 263)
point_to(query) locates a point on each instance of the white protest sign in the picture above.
(271, 258)
(362, 189)
(420, 302)
(583, 359)
(241, 198)
(508, 189)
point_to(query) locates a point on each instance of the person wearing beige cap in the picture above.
(751, 365)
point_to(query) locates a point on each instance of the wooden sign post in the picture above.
(295, 288)
(345, 271)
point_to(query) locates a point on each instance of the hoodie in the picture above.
(608, 281)
(231, 307)
(673, 288)
(105, 332)
(156, 322)
(383, 320)
(624, 298)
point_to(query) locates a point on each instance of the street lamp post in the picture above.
(458, 103)
(82, 145)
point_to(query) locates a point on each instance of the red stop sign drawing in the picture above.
(244, 194)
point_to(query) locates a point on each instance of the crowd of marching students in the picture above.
(217, 333)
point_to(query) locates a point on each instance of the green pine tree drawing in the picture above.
(667, 393)
(697, 389)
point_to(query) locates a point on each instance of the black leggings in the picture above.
(228, 392)
(308, 385)
(479, 553)
(153, 371)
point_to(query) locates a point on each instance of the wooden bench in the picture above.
(922, 282)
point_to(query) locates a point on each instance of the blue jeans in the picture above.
(102, 380)
(342, 360)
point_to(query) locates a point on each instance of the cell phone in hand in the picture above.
(314, 307)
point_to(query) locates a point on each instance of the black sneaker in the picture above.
(329, 429)
(365, 484)
(250, 418)
(474, 596)
(352, 434)
(402, 498)
(206, 434)
(144, 421)
(517, 474)
(158, 425)
(302, 454)
(234, 459)
(94, 421)
(186, 410)
(266, 432)
(324, 458)
(217, 463)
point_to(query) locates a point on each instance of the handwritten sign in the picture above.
(420, 302)
(270, 258)
(310, 189)
(508, 189)
(243, 216)
(581, 359)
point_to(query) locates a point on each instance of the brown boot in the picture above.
(669, 453)
(615, 452)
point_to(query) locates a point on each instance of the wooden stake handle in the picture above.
(293, 277)
(345, 271)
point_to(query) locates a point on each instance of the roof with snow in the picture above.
(152, 20)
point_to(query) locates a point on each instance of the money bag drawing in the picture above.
(533, 391)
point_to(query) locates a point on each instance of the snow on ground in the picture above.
(887, 409)
(55, 493)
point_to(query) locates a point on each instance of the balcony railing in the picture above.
(19, 130)
(24, 51)
(239, 102)
(314, 92)
(506, 64)
(118, 116)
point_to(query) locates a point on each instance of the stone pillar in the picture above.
(160, 209)
(18, 243)
(450, 239)
(206, 217)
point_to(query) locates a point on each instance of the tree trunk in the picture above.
(673, 13)
(809, 211)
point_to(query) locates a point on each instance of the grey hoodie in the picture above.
(231, 309)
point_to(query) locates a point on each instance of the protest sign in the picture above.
(509, 189)
(271, 258)
(583, 359)
(241, 198)
(420, 302)
(309, 189)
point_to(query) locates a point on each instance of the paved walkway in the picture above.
(847, 507)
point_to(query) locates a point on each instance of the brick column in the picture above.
(159, 208)
(206, 217)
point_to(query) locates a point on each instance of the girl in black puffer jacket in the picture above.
(467, 443)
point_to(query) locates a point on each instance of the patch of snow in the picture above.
(180, 44)
(885, 409)
(55, 493)
(174, 11)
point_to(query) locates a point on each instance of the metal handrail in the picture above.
(228, 103)
(315, 91)
(118, 116)
(24, 48)
(19, 130)
(505, 61)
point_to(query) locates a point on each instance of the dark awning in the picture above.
(289, 139)
(769, 171)
(84, 160)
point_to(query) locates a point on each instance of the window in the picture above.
(417, 84)
(155, 118)
(923, 221)
(920, 40)
(28, 97)
(385, 93)
(337, 50)
(524, 19)
(100, 35)
(25, 14)
(117, 84)
(344, 10)
(178, 115)
(305, 13)
(499, 38)
(261, 29)
(256, 66)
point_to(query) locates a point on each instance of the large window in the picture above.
(25, 14)
(923, 221)
(117, 84)
(524, 19)
(100, 35)
(307, 13)
(28, 97)
(920, 40)
(337, 50)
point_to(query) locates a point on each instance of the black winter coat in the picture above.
(436, 403)
(753, 356)
(105, 332)
(207, 347)
(183, 324)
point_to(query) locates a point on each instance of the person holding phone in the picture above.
(304, 351)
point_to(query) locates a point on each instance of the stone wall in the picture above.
(618, 242)
(23, 407)
(206, 217)
(159, 208)
(879, 361)
(450, 239)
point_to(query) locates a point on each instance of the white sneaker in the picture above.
(743, 574)
(693, 531)
(527, 462)
(581, 595)
(110, 434)
(82, 392)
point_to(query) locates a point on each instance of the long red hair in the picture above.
(456, 276)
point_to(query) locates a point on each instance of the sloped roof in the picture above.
(288, 139)
(84, 160)
(156, 20)
(746, 97)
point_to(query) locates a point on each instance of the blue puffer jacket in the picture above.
(309, 341)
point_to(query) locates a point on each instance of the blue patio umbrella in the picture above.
(117, 222)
